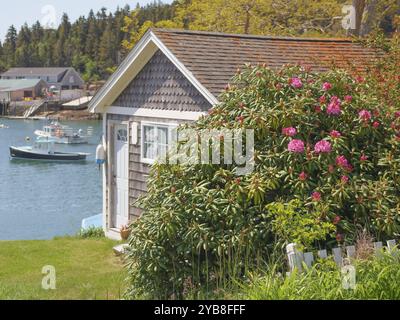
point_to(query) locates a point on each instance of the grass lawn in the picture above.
(85, 269)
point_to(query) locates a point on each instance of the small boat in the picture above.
(34, 153)
(57, 133)
(3, 126)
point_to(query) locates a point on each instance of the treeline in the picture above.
(95, 44)
(92, 44)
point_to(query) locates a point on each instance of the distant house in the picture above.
(60, 78)
(17, 90)
(172, 77)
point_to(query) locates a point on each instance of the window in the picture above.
(122, 135)
(155, 141)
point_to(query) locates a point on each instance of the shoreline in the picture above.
(65, 115)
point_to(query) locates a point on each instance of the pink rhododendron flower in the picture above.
(335, 134)
(336, 220)
(360, 79)
(240, 119)
(323, 146)
(344, 179)
(376, 124)
(365, 115)
(363, 158)
(289, 132)
(331, 168)
(303, 176)
(341, 161)
(327, 86)
(296, 83)
(397, 114)
(318, 109)
(296, 146)
(348, 99)
(322, 99)
(316, 196)
(334, 106)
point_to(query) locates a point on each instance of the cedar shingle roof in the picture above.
(213, 58)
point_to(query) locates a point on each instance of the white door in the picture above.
(121, 176)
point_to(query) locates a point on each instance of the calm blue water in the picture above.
(40, 200)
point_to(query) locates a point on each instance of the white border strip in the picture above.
(156, 113)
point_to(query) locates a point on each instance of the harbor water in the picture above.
(42, 200)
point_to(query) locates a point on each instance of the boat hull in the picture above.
(30, 154)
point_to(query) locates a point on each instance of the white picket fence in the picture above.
(298, 259)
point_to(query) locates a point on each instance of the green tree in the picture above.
(10, 46)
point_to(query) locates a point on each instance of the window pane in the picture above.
(163, 135)
(149, 134)
(122, 135)
(150, 151)
(162, 150)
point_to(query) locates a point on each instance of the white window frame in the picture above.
(169, 126)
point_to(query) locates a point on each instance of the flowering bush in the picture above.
(317, 143)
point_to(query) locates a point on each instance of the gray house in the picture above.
(60, 78)
(172, 77)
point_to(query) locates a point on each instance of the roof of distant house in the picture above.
(36, 72)
(20, 84)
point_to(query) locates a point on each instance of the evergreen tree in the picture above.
(62, 53)
(10, 46)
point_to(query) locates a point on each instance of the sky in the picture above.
(48, 12)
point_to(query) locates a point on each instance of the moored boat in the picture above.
(32, 153)
(57, 133)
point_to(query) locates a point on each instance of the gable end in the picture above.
(160, 85)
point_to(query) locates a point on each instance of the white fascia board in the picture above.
(156, 113)
(192, 79)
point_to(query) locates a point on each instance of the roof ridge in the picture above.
(249, 36)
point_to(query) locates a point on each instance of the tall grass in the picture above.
(377, 278)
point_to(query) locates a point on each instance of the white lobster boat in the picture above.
(60, 134)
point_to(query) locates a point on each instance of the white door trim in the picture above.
(111, 154)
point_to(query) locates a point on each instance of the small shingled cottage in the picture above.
(172, 77)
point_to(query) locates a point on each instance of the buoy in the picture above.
(100, 155)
